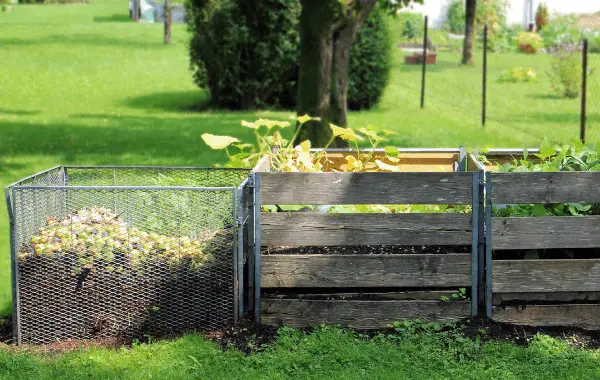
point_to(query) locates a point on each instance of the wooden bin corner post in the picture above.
(548, 287)
(254, 240)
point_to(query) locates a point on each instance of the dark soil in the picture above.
(247, 337)
(364, 250)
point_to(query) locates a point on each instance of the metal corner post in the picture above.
(488, 244)
(250, 254)
(241, 222)
(10, 205)
(257, 245)
(481, 239)
(235, 252)
(462, 159)
(475, 247)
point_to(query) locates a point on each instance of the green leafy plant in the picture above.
(574, 157)
(562, 30)
(542, 16)
(460, 295)
(491, 13)
(530, 42)
(518, 75)
(287, 157)
(566, 75)
(412, 25)
(504, 39)
(456, 17)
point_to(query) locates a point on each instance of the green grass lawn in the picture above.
(328, 353)
(80, 84)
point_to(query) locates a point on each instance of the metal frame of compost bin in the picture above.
(239, 217)
(477, 221)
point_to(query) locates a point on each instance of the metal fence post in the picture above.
(488, 244)
(462, 159)
(10, 206)
(235, 237)
(475, 246)
(584, 90)
(424, 70)
(481, 239)
(257, 245)
(484, 84)
(251, 237)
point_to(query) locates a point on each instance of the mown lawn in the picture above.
(327, 353)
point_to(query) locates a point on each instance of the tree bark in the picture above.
(317, 21)
(469, 42)
(168, 21)
(327, 33)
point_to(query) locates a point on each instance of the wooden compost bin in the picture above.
(544, 292)
(366, 290)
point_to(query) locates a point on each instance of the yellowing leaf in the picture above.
(386, 167)
(283, 124)
(249, 125)
(304, 146)
(218, 142)
(304, 118)
(267, 123)
(370, 133)
(345, 133)
(352, 163)
(387, 132)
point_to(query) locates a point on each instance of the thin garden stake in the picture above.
(484, 85)
(583, 91)
(424, 64)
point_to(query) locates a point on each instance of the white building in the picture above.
(519, 11)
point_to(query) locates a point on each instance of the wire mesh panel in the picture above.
(124, 252)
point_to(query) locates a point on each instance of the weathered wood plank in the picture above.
(573, 297)
(358, 314)
(307, 228)
(345, 271)
(557, 187)
(546, 232)
(424, 295)
(525, 276)
(366, 188)
(569, 315)
(409, 161)
(263, 165)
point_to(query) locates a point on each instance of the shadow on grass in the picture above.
(18, 112)
(440, 65)
(114, 18)
(178, 101)
(550, 97)
(87, 40)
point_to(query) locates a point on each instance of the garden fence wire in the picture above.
(122, 252)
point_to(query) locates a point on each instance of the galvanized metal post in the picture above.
(462, 159)
(251, 238)
(475, 246)
(16, 320)
(240, 244)
(257, 245)
(488, 244)
(481, 239)
(424, 70)
(235, 229)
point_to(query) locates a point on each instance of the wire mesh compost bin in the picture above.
(120, 252)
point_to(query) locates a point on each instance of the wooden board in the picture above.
(358, 314)
(429, 295)
(366, 188)
(571, 315)
(263, 165)
(557, 187)
(524, 276)
(573, 297)
(546, 232)
(409, 162)
(309, 228)
(362, 271)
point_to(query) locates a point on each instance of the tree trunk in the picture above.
(135, 10)
(327, 32)
(168, 21)
(469, 42)
(317, 21)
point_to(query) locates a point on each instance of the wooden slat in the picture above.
(263, 165)
(427, 295)
(573, 297)
(366, 188)
(546, 232)
(570, 315)
(358, 314)
(524, 276)
(308, 228)
(409, 162)
(346, 271)
(558, 187)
